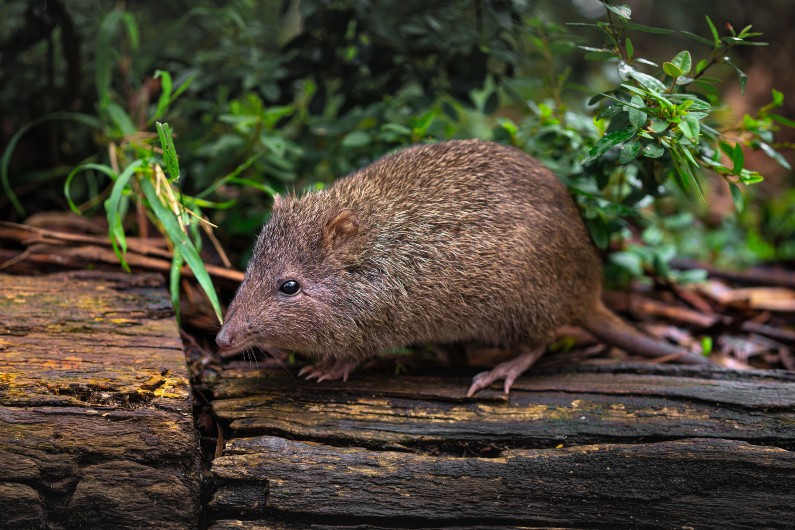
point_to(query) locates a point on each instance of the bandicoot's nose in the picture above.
(224, 339)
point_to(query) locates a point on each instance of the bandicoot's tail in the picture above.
(610, 328)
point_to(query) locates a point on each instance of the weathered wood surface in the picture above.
(96, 428)
(595, 444)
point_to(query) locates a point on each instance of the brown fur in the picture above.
(451, 242)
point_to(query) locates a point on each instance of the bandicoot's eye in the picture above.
(290, 287)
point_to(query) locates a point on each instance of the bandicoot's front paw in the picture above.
(330, 369)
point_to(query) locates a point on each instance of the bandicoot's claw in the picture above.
(328, 370)
(508, 371)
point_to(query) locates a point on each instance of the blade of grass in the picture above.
(237, 171)
(115, 215)
(102, 168)
(165, 93)
(12, 144)
(182, 243)
(169, 151)
(174, 276)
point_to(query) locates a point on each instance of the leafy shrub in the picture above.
(255, 120)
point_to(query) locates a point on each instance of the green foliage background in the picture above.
(630, 106)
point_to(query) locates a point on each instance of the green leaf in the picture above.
(775, 155)
(421, 125)
(652, 236)
(778, 98)
(629, 48)
(490, 106)
(742, 42)
(690, 127)
(647, 81)
(658, 126)
(737, 197)
(706, 346)
(91, 121)
(637, 117)
(671, 69)
(234, 173)
(783, 121)
(275, 143)
(169, 151)
(598, 229)
(683, 62)
(606, 142)
(267, 190)
(727, 148)
(272, 115)
(115, 215)
(121, 119)
(647, 62)
(627, 260)
(181, 88)
(750, 177)
(609, 112)
(165, 93)
(740, 74)
(682, 160)
(714, 31)
(648, 29)
(629, 151)
(738, 159)
(356, 139)
(402, 130)
(174, 276)
(132, 30)
(653, 151)
(698, 38)
(695, 102)
(84, 167)
(623, 10)
(595, 99)
(600, 56)
(701, 65)
(182, 243)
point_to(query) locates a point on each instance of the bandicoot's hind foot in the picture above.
(330, 369)
(509, 371)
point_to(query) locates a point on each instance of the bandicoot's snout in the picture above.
(232, 333)
(224, 339)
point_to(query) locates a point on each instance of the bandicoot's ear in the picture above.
(340, 229)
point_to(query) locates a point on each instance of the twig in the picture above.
(16, 259)
(755, 275)
(217, 245)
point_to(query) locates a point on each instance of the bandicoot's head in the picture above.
(298, 282)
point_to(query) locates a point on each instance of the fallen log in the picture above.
(95, 413)
(594, 444)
